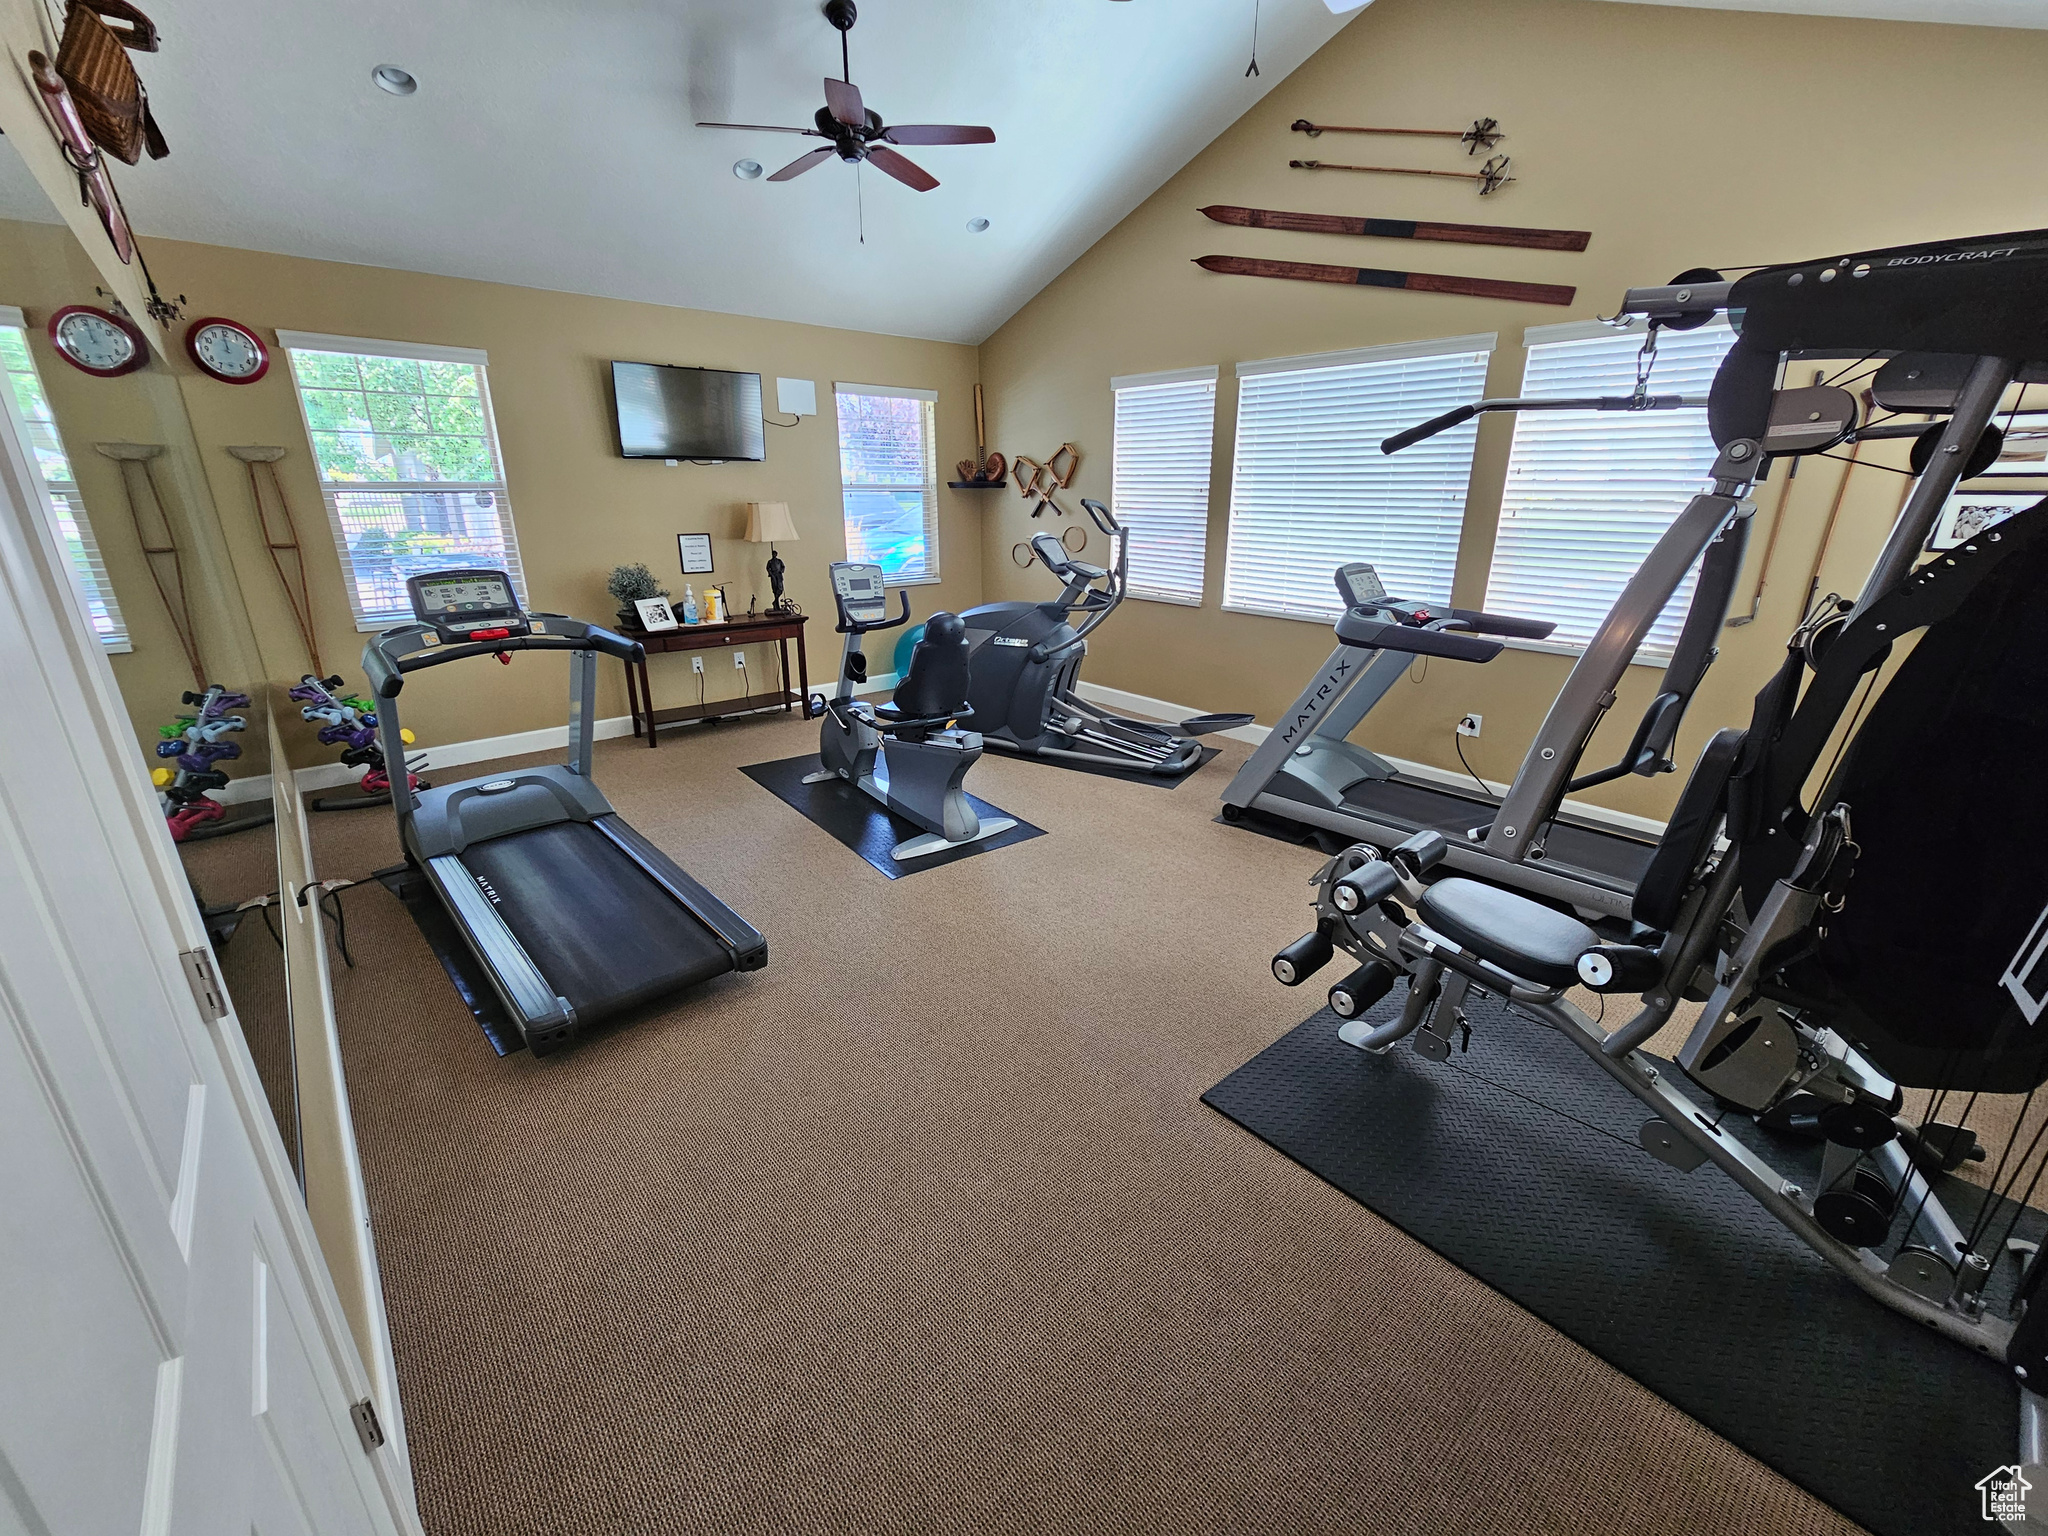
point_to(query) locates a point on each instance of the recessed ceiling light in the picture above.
(977, 226)
(390, 77)
(747, 170)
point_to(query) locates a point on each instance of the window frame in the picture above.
(1192, 594)
(92, 589)
(930, 575)
(292, 343)
(1478, 346)
(1650, 653)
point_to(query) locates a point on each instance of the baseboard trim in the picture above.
(1160, 709)
(454, 754)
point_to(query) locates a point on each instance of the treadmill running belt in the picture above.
(1573, 844)
(602, 931)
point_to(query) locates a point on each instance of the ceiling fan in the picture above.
(858, 134)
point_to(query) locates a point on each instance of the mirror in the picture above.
(130, 501)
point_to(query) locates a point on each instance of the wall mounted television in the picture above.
(665, 412)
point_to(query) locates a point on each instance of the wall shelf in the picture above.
(978, 485)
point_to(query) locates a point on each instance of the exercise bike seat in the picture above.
(934, 689)
(1522, 937)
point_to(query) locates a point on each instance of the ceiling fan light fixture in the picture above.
(389, 77)
(747, 170)
(977, 226)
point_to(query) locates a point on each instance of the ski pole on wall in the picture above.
(1483, 134)
(1379, 277)
(1491, 176)
(1399, 229)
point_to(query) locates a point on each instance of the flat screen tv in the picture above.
(687, 413)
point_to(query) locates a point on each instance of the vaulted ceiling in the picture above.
(554, 145)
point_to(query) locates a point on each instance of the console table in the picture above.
(751, 629)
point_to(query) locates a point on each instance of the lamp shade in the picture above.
(768, 522)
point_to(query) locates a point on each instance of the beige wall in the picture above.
(1680, 137)
(579, 508)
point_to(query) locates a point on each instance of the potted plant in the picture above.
(629, 584)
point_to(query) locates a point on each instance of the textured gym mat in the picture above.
(859, 821)
(1131, 775)
(1505, 1161)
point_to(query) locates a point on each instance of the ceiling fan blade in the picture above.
(911, 174)
(842, 100)
(802, 163)
(938, 133)
(763, 128)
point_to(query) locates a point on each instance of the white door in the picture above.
(172, 1356)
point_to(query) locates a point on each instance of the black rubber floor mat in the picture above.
(1518, 1162)
(861, 823)
(443, 938)
(1129, 775)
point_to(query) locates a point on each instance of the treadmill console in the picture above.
(858, 588)
(1359, 585)
(467, 605)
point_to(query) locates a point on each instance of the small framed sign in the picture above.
(1969, 513)
(655, 614)
(696, 552)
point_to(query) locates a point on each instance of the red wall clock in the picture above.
(227, 351)
(97, 342)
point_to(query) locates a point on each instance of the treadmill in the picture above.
(1306, 773)
(572, 915)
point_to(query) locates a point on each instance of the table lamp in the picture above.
(768, 521)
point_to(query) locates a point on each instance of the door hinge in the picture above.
(206, 988)
(368, 1430)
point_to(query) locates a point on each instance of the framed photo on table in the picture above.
(1969, 513)
(655, 614)
(696, 552)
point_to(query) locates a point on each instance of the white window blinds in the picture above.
(1311, 490)
(1589, 493)
(409, 465)
(1165, 431)
(888, 479)
(36, 426)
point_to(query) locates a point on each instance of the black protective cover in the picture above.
(1944, 790)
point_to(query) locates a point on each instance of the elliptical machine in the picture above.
(1025, 660)
(918, 775)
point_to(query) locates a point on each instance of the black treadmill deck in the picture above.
(1571, 843)
(605, 934)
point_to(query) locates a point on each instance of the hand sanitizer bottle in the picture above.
(689, 604)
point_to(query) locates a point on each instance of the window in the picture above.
(1312, 491)
(889, 479)
(37, 428)
(1589, 493)
(1165, 430)
(409, 465)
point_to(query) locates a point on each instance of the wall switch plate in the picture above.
(696, 663)
(1469, 725)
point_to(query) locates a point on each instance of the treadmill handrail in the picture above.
(386, 662)
(1360, 629)
(1482, 623)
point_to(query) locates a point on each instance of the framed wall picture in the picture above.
(696, 552)
(1969, 513)
(655, 614)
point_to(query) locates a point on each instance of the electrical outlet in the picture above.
(739, 659)
(696, 663)
(1469, 725)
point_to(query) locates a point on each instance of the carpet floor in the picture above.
(925, 1228)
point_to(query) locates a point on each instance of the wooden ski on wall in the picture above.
(1379, 277)
(1400, 229)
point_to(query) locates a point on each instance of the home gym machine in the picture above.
(1306, 773)
(572, 914)
(1853, 886)
(917, 774)
(1026, 670)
